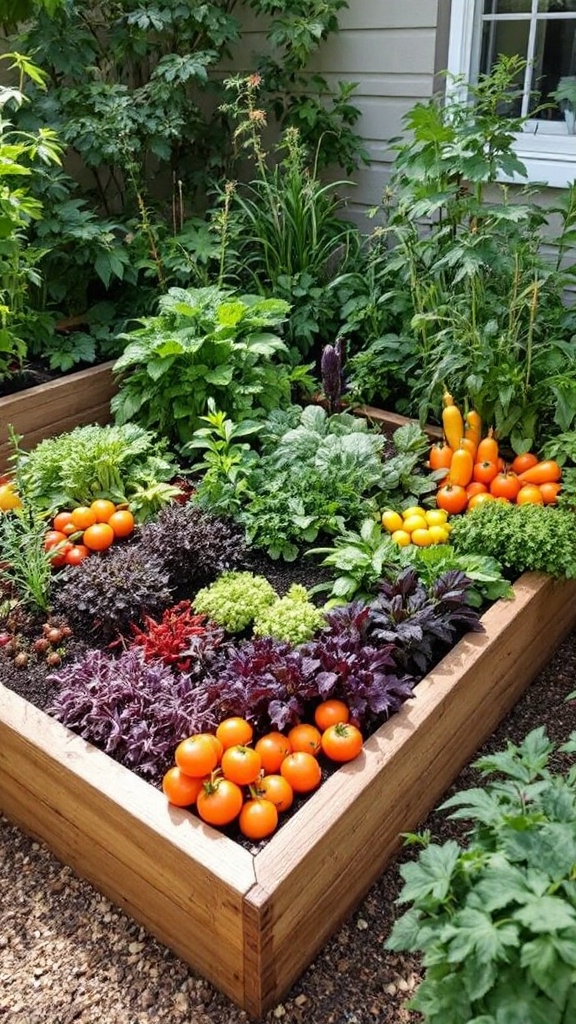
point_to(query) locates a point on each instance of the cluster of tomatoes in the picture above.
(87, 528)
(229, 780)
(415, 525)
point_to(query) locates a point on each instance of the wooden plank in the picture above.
(181, 879)
(50, 409)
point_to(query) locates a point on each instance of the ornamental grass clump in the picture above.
(292, 618)
(235, 600)
(135, 710)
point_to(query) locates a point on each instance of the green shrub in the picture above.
(235, 600)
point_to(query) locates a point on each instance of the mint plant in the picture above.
(496, 918)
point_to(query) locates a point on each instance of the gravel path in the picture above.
(67, 955)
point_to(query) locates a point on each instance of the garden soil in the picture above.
(68, 956)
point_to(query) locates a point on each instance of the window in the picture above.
(544, 32)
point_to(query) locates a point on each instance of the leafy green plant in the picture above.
(117, 462)
(204, 343)
(26, 567)
(292, 618)
(360, 561)
(235, 599)
(519, 537)
(496, 918)
(226, 461)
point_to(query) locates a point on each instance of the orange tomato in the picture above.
(452, 498)
(241, 765)
(302, 771)
(219, 801)
(103, 509)
(550, 492)
(98, 537)
(505, 485)
(330, 712)
(122, 522)
(523, 462)
(233, 731)
(82, 517)
(273, 748)
(342, 742)
(258, 818)
(62, 520)
(546, 472)
(305, 737)
(530, 494)
(196, 755)
(181, 789)
(277, 789)
(480, 499)
(440, 456)
(475, 488)
(485, 471)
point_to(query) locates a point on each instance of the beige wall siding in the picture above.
(389, 47)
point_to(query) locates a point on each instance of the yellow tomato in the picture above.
(391, 520)
(436, 516)
(401, 538)
(422, 538)
(439, 534)
(414, 510)
(414, 522)
(8, 498)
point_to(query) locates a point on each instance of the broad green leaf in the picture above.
(546, 969)
(431, 874)
(405, 932)
(546, 914)
(473, 932)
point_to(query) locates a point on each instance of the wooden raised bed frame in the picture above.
(250, 923)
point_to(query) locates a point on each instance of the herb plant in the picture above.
(235, 600)
(89, 462)
(360, 561)
(292, 618)
(496, 918)
(519, 537)
(26, 567)
(135, 710)
(204, 343)
(107, 594)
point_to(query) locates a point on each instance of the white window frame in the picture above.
(548, 157)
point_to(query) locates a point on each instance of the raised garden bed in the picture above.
(251, 922)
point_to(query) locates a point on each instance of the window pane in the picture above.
(507, 6)
(509, 38)
(554, 58)
(557, 6)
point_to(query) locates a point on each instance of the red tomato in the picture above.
(273, 748)
(233, 731)
(57, 542)
(258, 818)
(219, 801)
(181, 789)
(76, 554)
(484, 472)
(302, 771)
(197, 755)
(62, 520)
(342, 742)
(330, 712)
(305, 737)
(241, 764)
(452, 498)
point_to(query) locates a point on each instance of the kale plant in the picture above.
(108, 593)
(520, 537)
(353, 668)
(235, 599)
(266, 681)
(496, 918)
(193, 545)
(421, 622)
(135, 710)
